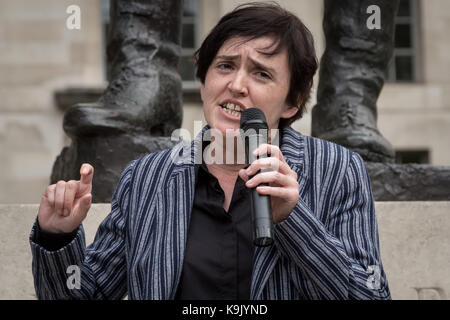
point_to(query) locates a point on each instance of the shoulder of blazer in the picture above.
(153, 170)
(316, 158)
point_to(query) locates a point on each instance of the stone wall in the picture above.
(414, 244)
(38, 55)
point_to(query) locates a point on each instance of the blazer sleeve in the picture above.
(101, 266)
(342, 256)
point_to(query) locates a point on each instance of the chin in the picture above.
(221, 123)
(223, 127)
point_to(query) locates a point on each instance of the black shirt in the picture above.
(219, 251)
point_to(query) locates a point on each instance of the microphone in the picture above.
(254, 131)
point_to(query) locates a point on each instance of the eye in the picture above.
(224, 66)
(264, 75)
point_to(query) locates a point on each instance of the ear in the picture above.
(202, 88)
(289, 112)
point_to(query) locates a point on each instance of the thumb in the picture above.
(84, 205)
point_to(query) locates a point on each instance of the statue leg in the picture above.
(352, 76)
(142, 103)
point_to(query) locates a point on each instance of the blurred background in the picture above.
(46, 67)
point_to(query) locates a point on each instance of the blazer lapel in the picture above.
(265, 258)
(181, 194)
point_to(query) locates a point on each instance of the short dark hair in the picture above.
(255, 20)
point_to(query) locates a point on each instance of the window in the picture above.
(189, 43)
(105, 27)
(412, 156)
(404, 64)
(189, 40)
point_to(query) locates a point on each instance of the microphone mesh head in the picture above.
(253, 118)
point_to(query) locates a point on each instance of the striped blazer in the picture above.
(328, 248)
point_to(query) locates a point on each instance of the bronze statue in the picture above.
(352, 75)
(141, 105)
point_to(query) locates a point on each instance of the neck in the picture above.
(225, 154)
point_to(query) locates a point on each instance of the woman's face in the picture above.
(241, 77)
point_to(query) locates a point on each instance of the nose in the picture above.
(238, 84)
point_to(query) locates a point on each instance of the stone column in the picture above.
(352, 75)
(142, 103)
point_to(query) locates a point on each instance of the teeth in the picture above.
(232, 112)
(232, 106)
(232, 109)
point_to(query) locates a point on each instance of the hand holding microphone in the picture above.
(270, 177)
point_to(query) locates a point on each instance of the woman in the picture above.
(183, 230)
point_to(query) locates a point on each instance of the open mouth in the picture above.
(232, 109)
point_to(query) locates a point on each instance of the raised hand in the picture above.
(64, 205)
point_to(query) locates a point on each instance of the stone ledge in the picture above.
(65, 98)
(414, 244)
(409, 182)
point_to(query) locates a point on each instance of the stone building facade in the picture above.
(42, 60)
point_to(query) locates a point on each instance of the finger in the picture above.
(271, 162)
(87, 174)
(59, 197)
(279, 192)
(69, 196)
(82, 208)
(269, 149)
(262, 150)
(244, 176)
(50, 194)
(271, 177)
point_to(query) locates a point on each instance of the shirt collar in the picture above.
(292, 145)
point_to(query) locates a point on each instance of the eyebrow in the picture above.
(256, 63)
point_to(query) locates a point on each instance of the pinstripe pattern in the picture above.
(322, 251)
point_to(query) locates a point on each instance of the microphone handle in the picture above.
(262, 218)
